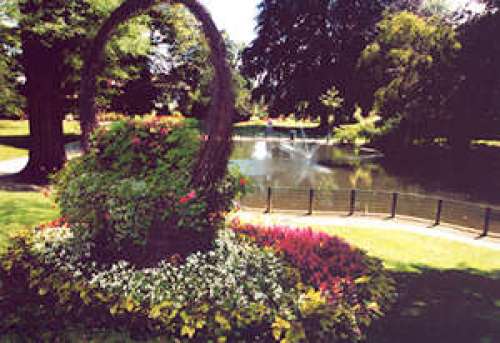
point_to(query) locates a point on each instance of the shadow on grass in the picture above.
(442, 306)
(14, 183)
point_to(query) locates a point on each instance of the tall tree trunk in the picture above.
(44, 97)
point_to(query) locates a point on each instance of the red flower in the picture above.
(136, 141)
(325, 262)
(188, 197)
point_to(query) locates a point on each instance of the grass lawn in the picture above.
(21, 127)
(487, 143)
(19, 210)
(9, 153)
(17, 130)
(257, 127)
(426, 252)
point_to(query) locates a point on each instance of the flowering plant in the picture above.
(236, 292)
(133, 191)
(342, 273)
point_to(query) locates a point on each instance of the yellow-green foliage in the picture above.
(402, 60)
(361, 132)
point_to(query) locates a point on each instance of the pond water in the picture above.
(474, 177)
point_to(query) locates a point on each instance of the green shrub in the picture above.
(131, 193)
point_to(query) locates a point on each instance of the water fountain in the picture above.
(303, 149)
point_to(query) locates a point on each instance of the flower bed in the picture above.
(260, 284)
(344, 275)
(132, 195)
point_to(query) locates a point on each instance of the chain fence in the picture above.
(467, 216)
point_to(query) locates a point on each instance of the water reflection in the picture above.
(332, 168)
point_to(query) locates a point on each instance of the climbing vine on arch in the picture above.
(212, 162)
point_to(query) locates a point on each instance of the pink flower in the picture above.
(136, 141)
(191, 195)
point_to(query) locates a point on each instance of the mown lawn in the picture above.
(20, 210)
(407, 252)
(10, 153)
(487, 143)
(281, 127)
(283, 123)
(21, 127)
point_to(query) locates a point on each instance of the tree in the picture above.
(137, 96)
(411, 67)
(303, 48)
(53, 35)
(181, 63)
(332, 101)
(476, 103)
(11, 102)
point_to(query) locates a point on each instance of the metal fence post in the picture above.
(438, 212)
(269, 195)
(311, 199)
(352, 207)
(487, 219)
(394, 205)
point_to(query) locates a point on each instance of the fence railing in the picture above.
(480, 219)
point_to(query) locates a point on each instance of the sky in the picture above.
(237, 17)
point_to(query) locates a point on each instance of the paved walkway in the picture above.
(14, 166)
(369, 223)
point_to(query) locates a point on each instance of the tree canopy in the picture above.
(303, 48)
(410, 66)
(50, 39)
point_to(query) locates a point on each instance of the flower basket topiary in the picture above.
(131, 194)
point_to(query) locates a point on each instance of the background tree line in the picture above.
(430, 72)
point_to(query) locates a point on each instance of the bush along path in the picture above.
(93, 270)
